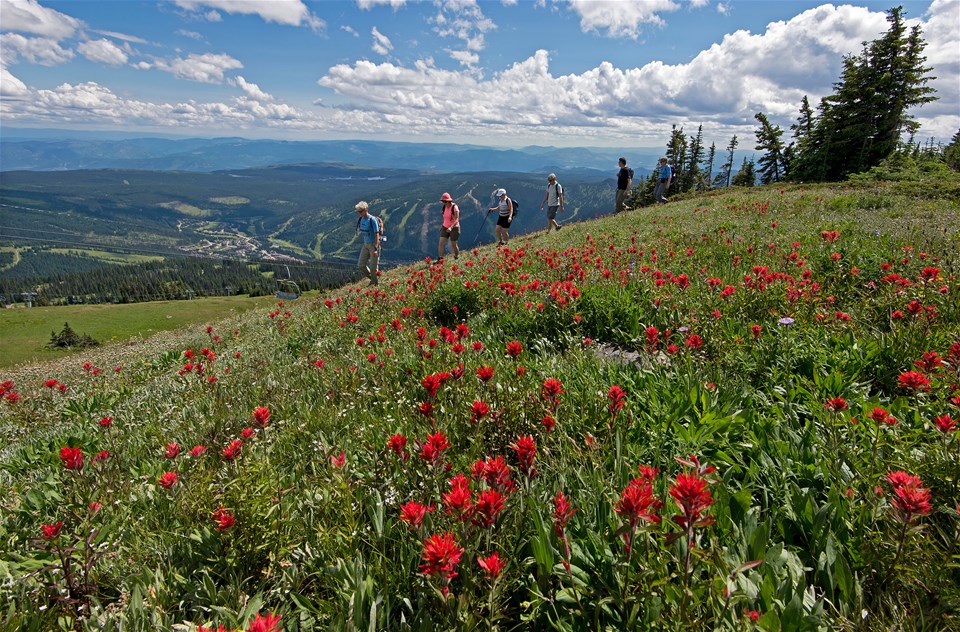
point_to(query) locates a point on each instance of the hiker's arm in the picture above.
(560, 198)
(545, 196)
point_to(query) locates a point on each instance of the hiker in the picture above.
(450, 228)
(624, 181)
(553, 198)
(370, 253)
(664, 179)
(505, 209)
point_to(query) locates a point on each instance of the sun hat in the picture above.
(446, 198)
(500, 192)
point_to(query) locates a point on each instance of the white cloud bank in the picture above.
(722, 87)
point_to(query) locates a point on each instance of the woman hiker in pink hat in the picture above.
(450, 229)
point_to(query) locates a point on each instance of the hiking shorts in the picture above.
(504, 221)
(552, 212)
(453, 234)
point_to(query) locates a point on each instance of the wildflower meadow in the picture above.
(737, 411)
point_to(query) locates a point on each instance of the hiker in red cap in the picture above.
(450, 229)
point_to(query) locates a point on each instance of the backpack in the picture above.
(516, 205)
(383, 236)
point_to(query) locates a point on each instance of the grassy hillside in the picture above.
(732, 412)
(26, 332)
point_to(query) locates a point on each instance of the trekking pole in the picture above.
(484, 222)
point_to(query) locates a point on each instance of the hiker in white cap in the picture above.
(505, 209)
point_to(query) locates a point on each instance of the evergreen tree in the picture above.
(771, 164)
(747, 176)
(676, 154)
(862, 122)
(692, 177)
(951, 153)
(726, 169)
(708, 165)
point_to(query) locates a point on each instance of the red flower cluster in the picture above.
(910, 498)
(261, 415)
(526, 450)
(413, 513)
(617, 397)
(432, 450)
(167, 480)
(223, 518)
(693, 497)
(72, 458)
(441, 554)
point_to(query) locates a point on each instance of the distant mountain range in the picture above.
(32, 150)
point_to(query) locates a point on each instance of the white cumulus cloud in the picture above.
(28, 16)
(287, 12)
(620, 18)
(252, 90)
(381, 43)
(35, 50)
(205, 68)
(103, 51)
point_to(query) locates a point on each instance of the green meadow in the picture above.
(737, 411)
(26, 332)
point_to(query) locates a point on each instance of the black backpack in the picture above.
(516, 205)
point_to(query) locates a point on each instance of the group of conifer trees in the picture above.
(862, 123)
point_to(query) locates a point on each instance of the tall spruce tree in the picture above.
(676, 156)
(747, 176)
(708, 165)
(862, 122)
(951, 153)
(726, 169)
(692, 177)
(771, 164)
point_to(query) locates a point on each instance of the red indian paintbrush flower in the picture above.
(485, 373)
(514, 348)
(398, 443)
(72, 458)
(413, 513)
(339, 460)
(945, 423)
(432, 384)
(617, 397)
(914, 380)
(51, 531)
(459, 500)
(432, 450)
(172, 450)
(269, 623)
(441, 554)
(637, 503)
(492, 564)
(261, 415)
(693, 497)
(167, 480)
(488, 506)
(835, 404)
(232, 451)
(526, 449)
(562, 512)
(479, 410)
(223, 518)
(910, 498)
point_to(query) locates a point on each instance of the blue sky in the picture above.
(494, 72)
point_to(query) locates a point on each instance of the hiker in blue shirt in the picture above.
(369, 226)
(664, 178)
